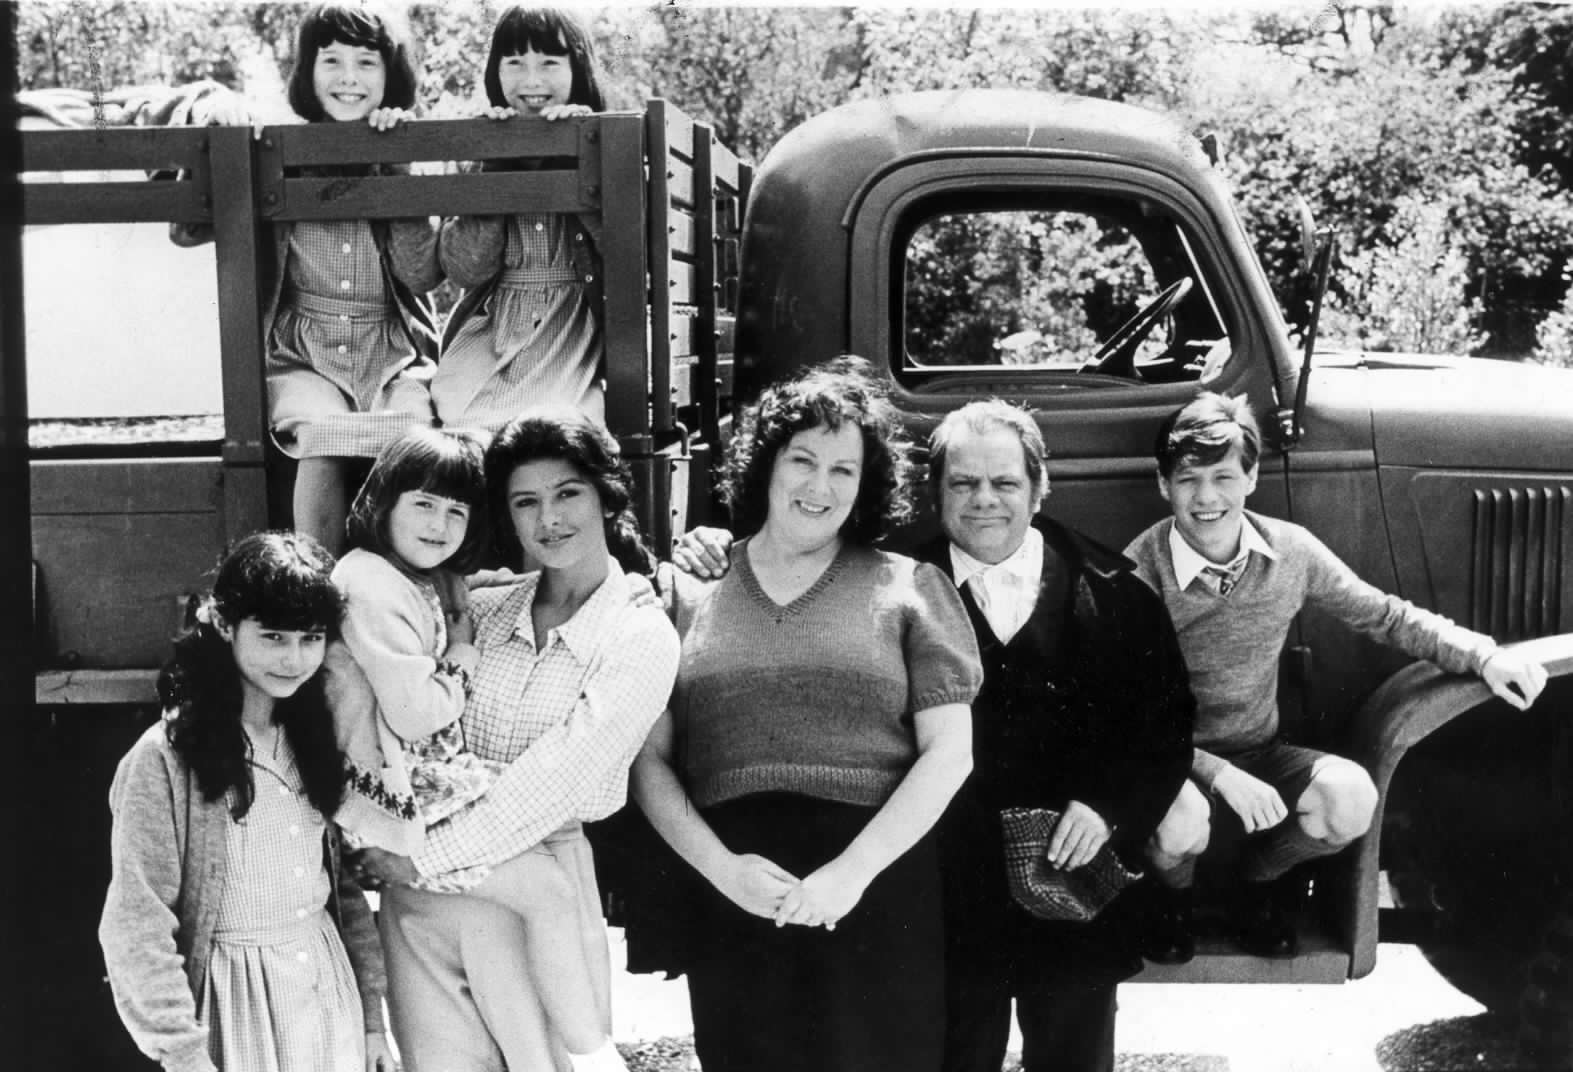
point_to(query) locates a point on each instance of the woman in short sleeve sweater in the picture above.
(819, 725)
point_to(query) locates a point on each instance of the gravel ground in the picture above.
(1402, 1018)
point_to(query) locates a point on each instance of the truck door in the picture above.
(1100, 293)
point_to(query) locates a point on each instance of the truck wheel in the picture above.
(1472, 840)
(1545, 1023)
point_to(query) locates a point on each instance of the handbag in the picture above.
(1049, 892)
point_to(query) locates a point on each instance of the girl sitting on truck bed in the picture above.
(350, 335)
(527, 331)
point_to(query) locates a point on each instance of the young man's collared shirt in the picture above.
(1007, 591)
(1189, 563)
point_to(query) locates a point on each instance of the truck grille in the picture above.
(1521, 541)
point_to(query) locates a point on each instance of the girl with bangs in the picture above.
(232, 937)
(528, 329)
(398, 684)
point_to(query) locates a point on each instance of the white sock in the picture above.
(604, 1058)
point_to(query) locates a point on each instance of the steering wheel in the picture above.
(1117, 356)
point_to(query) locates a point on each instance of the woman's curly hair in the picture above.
(282, 579)
(823, 396)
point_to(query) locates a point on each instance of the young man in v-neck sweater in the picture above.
(1233, 582)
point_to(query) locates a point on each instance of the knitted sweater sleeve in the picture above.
(470, 248)
(943, 666)
(386, 628)
(412, 248)
(1333, 587)
(139, 926)
(358, 930)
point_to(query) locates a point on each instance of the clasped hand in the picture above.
(763, 888)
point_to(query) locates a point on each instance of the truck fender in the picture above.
(1406, 708)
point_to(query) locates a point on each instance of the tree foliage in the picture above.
(1358, 105)
(1398, 124)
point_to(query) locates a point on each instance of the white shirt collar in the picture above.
(1189, 562)
(1023, 564)
(580, 632)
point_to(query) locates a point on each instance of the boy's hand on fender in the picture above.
(1514, 678)
(1256, 803)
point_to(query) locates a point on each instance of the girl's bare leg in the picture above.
(534, 886)
(321, 501)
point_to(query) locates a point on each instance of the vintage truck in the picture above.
(1080, 256)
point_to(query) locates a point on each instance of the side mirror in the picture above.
(1307, 234)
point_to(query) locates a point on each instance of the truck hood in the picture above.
(1434, 411)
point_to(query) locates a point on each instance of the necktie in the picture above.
(1224, 578)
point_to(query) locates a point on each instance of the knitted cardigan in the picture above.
(168, 868)
(386, 684)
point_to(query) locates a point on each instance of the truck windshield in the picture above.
(1058, 288)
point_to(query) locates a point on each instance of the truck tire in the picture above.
(1474, 839)
(1545, 1024)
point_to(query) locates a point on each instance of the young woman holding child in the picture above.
(232, 937)
(574, 663)
(528, 330)
(397, 686)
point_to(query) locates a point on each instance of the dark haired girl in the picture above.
(528, 330)
(575, 663)
(232, 938)
(350, 334)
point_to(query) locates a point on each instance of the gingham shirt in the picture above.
(568, 719)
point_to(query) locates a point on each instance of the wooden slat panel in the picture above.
(239, 239)
(682, 380)
(151, 486)
(623, 255)
(725, 167)
(112, 202)
(682, 336)
(128, 148)
(680, 283)
(662, 414)
(680, 231)
(679, 132)
(703, 324)
(680, 182)
(112, 587)
(431, 195)
(326, 144)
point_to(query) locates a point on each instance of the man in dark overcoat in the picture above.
(1085, 709)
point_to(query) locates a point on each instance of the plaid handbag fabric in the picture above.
(1046, 891)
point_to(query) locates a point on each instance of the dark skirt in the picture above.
(866, 997)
